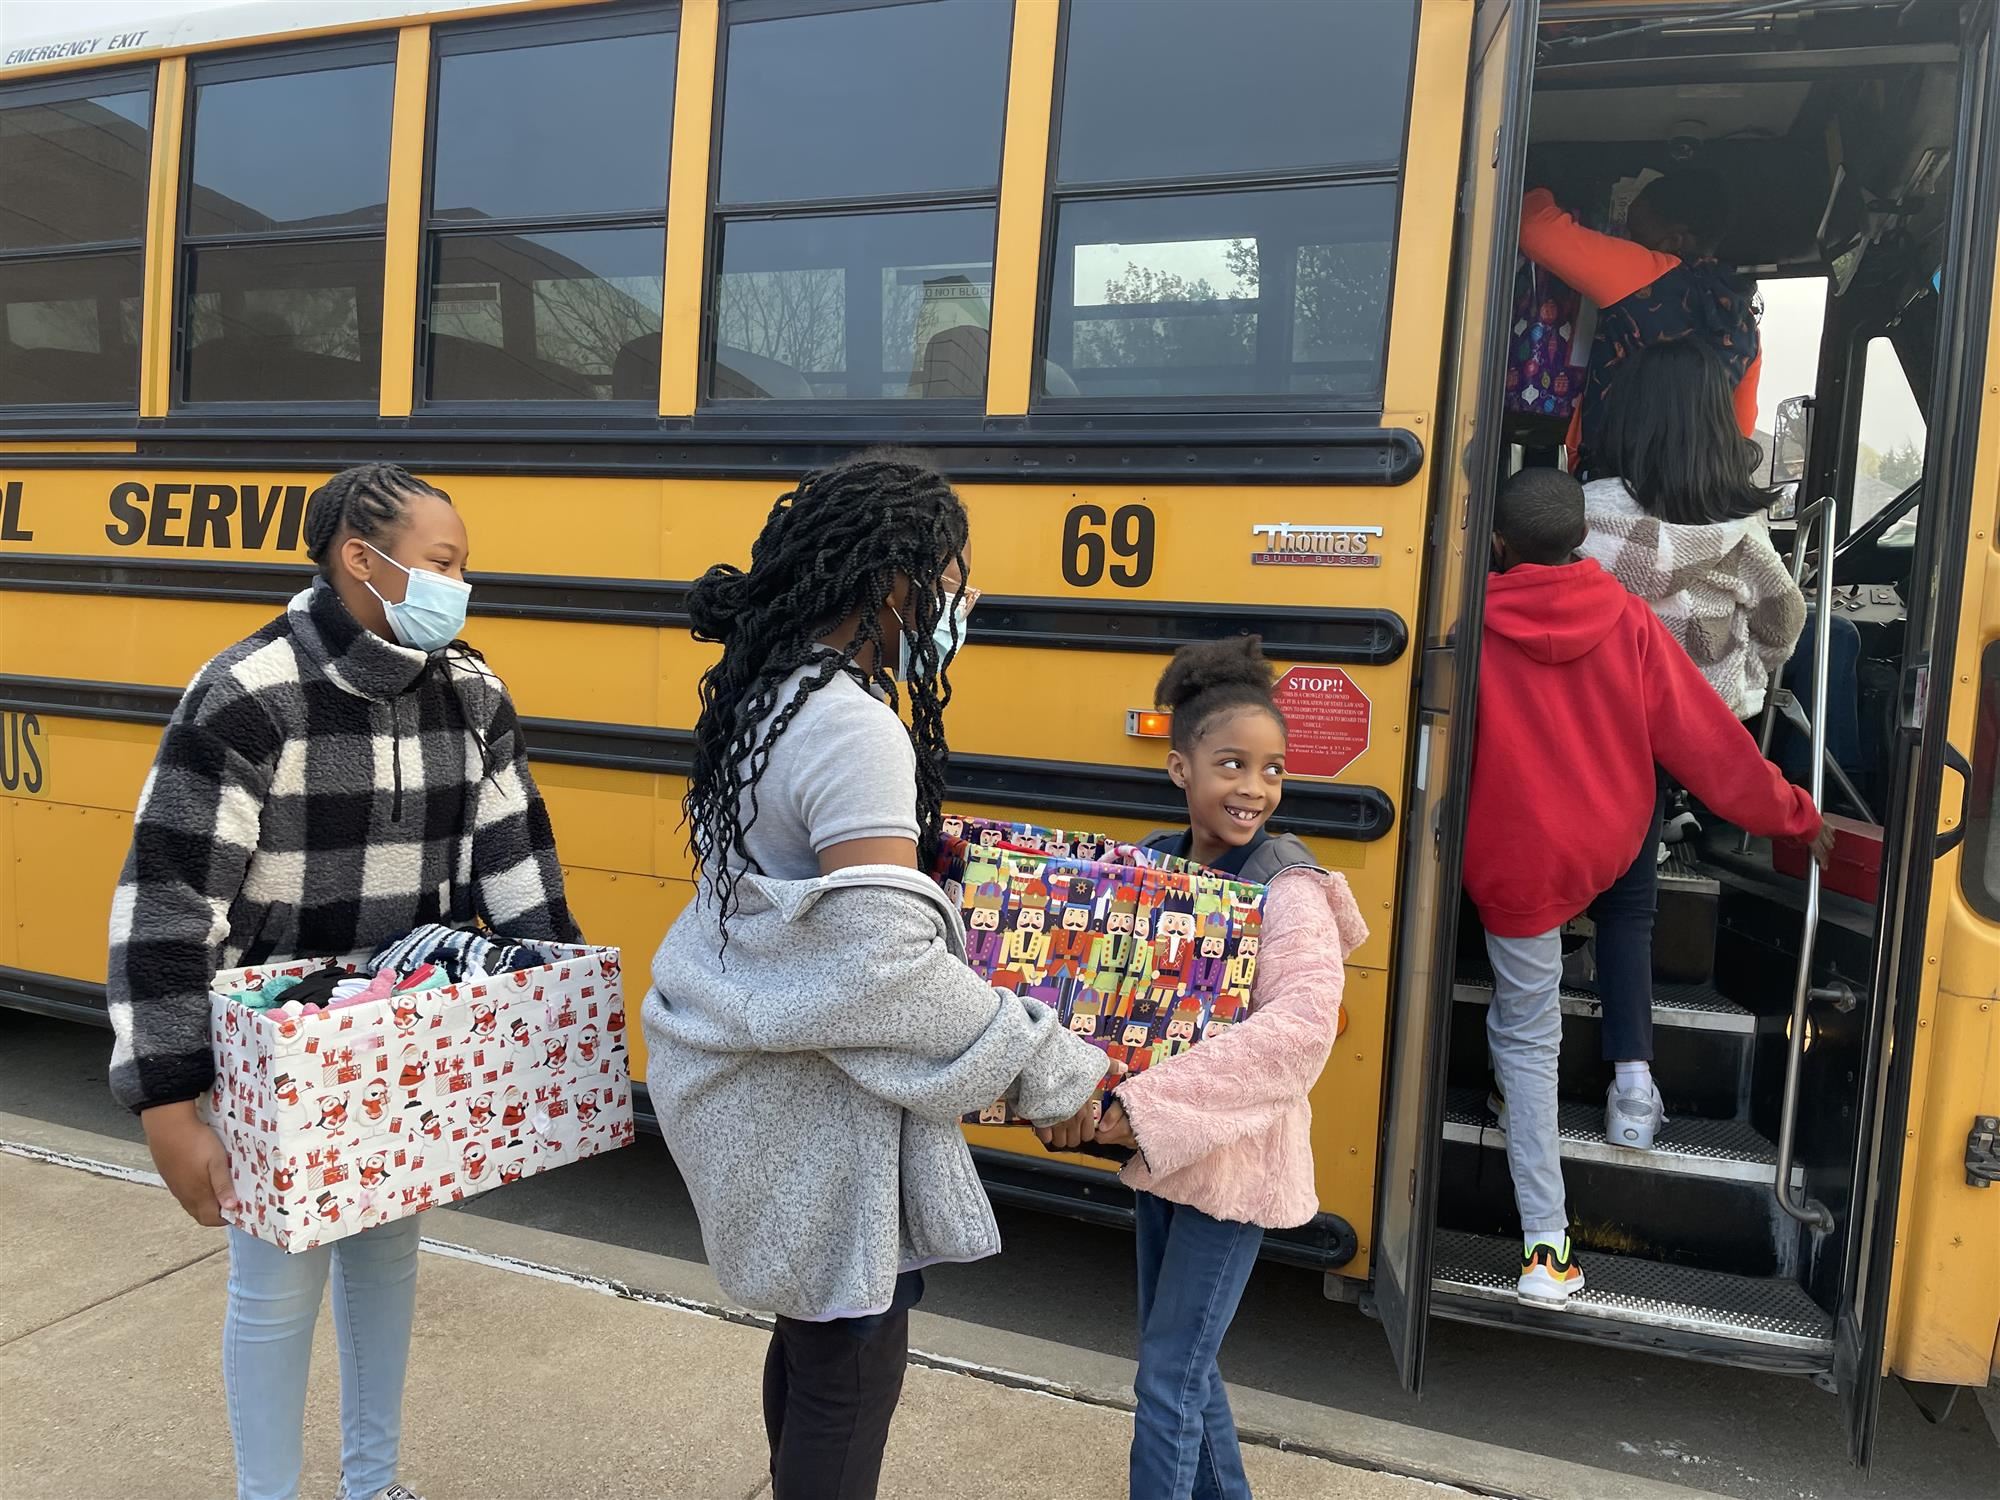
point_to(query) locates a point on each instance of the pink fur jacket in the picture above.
(1225, 1127)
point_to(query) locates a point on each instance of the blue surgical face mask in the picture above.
(431, 614)
(948, 635)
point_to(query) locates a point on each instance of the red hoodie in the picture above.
(1581, 692)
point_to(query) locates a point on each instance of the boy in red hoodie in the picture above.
(1582, 693)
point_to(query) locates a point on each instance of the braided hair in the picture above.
(372, 501)
(832, 547)
(1206, 681)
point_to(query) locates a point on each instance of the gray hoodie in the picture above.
(810, 1084)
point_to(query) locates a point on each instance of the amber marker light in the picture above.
(1147, 724)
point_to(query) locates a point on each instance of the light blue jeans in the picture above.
(267, 1338)
(1523, 1037)
(1192, 1271)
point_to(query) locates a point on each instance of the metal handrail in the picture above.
(1812, 1213)
(1768, 730)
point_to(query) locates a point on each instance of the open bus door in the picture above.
(1922, 751)
(1465, 473)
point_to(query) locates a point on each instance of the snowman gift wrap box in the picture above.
(338, 1122)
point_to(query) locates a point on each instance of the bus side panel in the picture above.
(1945, 1301)
(148, 620)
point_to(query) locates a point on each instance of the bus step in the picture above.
(1725, 1150)
(1703, 1047)
(1764, 1321)
(1688, 1007)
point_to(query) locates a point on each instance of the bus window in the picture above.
(523, 308)
(1790, 325)
(1167, 296)
(74, 159)
(1267, 87)
(1242, 249)
(819, 294)
(1979, 867)
(285, 219)
(1891, 456)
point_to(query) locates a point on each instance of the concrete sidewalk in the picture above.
(523, 1382)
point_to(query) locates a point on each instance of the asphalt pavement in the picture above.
(1502, 1411)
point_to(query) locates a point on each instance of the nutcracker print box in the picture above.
(1141, 954)
(341, 1121)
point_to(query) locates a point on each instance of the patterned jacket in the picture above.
(1722, 591)
(319, 792)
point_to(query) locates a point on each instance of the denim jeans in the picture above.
(1192, 1271)
(1624, 917)
(267, 1338)
(1523, 1038)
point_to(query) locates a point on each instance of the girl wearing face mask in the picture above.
(348, 773)
(814, 1033)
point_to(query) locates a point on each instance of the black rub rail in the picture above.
(1360, 814)
(1110, 448)
(1334, 636)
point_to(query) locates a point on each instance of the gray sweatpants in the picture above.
(1523, 1036)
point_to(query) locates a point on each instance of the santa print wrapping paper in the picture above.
(1142, 954)
(339, 1122)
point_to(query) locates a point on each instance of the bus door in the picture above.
(1465, 473)
(1912, 928)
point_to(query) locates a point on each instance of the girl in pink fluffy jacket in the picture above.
(1222, 1132)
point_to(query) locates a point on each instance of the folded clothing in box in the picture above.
(378, 1110)
(1142, 954)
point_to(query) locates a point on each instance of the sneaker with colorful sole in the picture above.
(1550, 1275)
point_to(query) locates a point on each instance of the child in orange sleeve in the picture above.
(1663, 283)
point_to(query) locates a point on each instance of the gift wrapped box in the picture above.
(339, 1122)
(1142, 954)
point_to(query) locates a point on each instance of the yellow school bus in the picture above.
(1207, 308)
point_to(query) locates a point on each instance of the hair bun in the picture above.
(717, 601)
(1237, 661)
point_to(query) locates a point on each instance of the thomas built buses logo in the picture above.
(1282, 544)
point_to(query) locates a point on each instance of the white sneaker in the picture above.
(1634, 1118)
(1550, 1275)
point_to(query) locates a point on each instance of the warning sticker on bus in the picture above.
(1328, 718)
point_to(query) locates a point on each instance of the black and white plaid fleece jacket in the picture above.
(319, 792)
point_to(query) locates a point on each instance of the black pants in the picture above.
(1624, 917)
(830, 1392)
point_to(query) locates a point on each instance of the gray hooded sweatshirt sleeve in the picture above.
(810, 1084)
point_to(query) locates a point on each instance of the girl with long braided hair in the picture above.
(813, 1030)
(347, 774)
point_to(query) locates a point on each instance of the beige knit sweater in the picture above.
(1721, 590)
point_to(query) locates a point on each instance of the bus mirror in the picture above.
(1789, 441)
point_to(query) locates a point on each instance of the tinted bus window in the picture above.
(75, 156)
(1260, 86)
(855, 306)
(858, 200)
(295, 151)
(561, 130)
(300, 320)
(547, 225)
(1979, 866)
(284, 218)
(73, 167)
(547, 317)
(892, 100)
(1224, 294)
(1225, 202)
